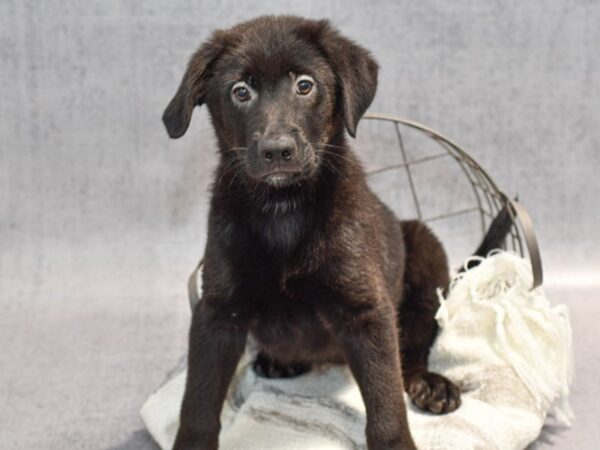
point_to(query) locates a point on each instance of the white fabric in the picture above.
(504, 345)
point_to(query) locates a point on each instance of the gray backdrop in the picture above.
(102, 217)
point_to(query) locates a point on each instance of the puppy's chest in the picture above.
(281, 227)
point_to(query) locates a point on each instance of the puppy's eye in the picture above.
(304, 85)
(241, 92)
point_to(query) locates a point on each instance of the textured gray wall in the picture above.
(84, 156)
(101, 216)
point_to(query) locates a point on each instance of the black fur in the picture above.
(300, 252)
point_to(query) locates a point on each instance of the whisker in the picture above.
(335, 155)
(331, 166)
(231, 165)
(323, 144)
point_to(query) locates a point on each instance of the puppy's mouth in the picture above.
(281, 177)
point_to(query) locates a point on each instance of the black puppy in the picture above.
(300, 252)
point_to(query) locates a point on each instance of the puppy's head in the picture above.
(279, 90)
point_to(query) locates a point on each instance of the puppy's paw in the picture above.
(433, 392)
(268, 368)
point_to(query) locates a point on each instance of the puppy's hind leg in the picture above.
(426, 270)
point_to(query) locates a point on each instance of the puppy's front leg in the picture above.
(215, 347)
(369, 339)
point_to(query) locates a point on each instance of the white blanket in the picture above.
(506, 347)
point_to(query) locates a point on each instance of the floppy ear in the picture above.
(192, 89)
(356, 73)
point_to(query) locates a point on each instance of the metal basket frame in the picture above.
(489, 198)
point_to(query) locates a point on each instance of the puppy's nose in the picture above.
(279, 149)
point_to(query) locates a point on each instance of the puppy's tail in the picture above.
(494, 237)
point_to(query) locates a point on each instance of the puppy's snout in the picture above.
(277, 149)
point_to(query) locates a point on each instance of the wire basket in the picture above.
(419, 149)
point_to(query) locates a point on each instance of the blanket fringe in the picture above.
(494, 300)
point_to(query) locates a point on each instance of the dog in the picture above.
(301, 254)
